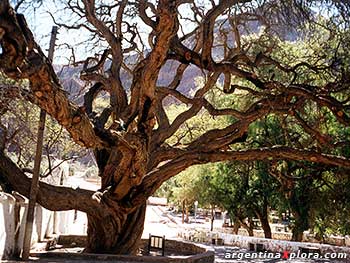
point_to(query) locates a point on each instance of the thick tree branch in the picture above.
(55, 198)
(208, 27)
(144, 82)
(118, 94)
(22, 58)
(161, 135)
(155, 178)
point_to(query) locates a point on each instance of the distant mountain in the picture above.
(71, 82)
(70, 76)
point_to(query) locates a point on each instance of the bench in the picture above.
(156, 243)
(309, 250)
(256, 247)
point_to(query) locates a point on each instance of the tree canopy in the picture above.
(240, 48)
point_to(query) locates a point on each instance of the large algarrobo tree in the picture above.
(130, 138)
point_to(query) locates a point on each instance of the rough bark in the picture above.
(183, 212)
(107, 235)
(187, 218)
(51, 197)
(297, 235)
(133, 154)
(248, 226)
(263, 215)
(265, 226)
(299, 227)
(23, 59)
(212, 218)
(236, 226)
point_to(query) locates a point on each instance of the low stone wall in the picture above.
(331, 240)
(272, 245)
(279, 245)
(183, 247)
(186, 252)
(72, 240)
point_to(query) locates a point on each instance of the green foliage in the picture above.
(317, 196)
(20, 119)
(245, 189)
(190, 185)
(22, 124)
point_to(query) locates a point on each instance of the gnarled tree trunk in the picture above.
(265, 226)
(248, 226)
(119, 229)
(299, 227)
(133, 152)
(263, 216)
(116, 233)
(236, 226)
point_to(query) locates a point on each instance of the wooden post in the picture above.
(36, 171)
(183, 211)
(187, 219)
(212, 207)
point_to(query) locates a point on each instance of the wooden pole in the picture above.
(36, 171)
(183, 211)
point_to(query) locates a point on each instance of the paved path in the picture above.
(157, 223)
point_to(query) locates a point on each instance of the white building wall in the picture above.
(7, 225)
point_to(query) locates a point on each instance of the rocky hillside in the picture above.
(70, 77)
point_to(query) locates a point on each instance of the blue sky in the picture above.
(40, 22)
